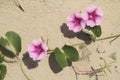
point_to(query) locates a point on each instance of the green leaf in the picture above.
(3, 42)
(71, 53)
(14, 40)
(60, 58)
(3, 71)
(1, 57)
(97, 31)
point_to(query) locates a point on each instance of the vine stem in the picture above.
(99, 39)
(23, 71)
(13, 61)
(113, 36)
(8, 60)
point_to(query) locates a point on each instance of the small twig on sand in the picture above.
(114, 39)
(18, 5)
(76, 74)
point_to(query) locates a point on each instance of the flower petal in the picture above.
(99, 20)
(99, 12)
(83, 24)
(44, 46)
(33, 56)
(71, 17)
(91, 9)
(42, 55)
(77, 15)
(30, 48)
(70, 25)
(91, 23)
(37, 42)
(77, 28)
(85, 16)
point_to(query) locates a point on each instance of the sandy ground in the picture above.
(46, 18)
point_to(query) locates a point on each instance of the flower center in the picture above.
(90, 16)
(77, 21)
(39, 49)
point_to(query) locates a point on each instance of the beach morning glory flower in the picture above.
(76, 22)
(37, 49)
(94, 16)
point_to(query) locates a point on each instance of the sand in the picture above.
(47, 18)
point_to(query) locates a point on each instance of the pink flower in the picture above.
(76, 22)
(37, 49)
(94, 16)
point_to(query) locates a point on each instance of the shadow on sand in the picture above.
(70, 34)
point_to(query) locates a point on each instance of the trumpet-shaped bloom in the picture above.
(37, 49)
(94, 16)
(76, 22)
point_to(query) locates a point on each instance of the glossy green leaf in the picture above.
(60, 58)
(3, 42)
(14, 40)
(3, 71)
(97, 31)
(71, 53)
